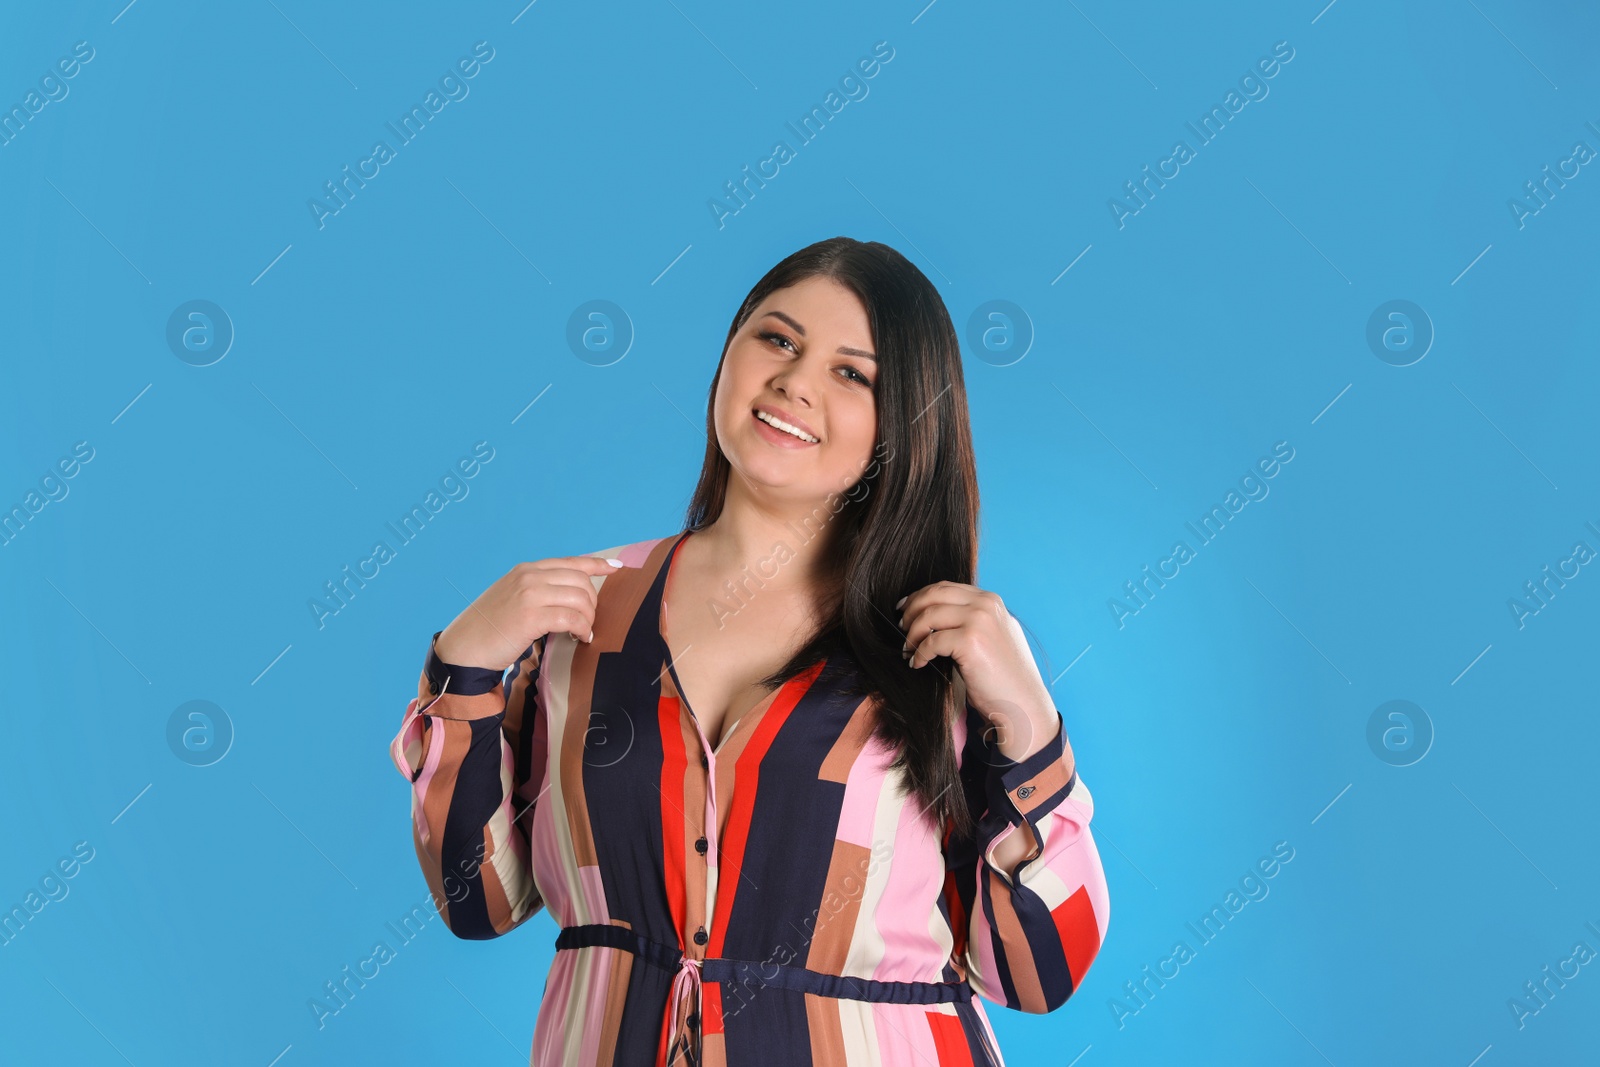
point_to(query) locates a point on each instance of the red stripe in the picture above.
(746, 775)
(958, 914)
(710, 1009)
(949, 1040)
(1080, 936)
(673, 765)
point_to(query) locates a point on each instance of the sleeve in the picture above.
(1027, 936)
(473, 746)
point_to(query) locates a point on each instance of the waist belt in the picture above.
(689, 973)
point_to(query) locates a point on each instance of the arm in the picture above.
(1028, 896)
(473, 747)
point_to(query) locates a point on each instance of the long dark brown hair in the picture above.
(911, 520)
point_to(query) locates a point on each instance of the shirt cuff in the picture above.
(1023, 791)
(463, 681)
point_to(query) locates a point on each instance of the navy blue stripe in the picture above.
(464, 681)
(783, 976)
(477, 796)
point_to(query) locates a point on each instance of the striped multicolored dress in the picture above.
(778, 901)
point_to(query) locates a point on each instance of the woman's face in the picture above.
(805, 358)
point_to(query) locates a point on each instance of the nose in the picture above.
(794, 382)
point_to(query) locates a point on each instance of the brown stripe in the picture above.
(1017, 951)
(839, 907)
(827, 1031)
(852, 739)
(514, 700)
(455, 738)
(693, 799)
(1046, 784)
(616, 999)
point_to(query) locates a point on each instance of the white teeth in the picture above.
(785, 427)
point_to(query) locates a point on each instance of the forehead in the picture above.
(819, 303)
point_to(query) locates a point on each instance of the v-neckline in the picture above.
(666, 650)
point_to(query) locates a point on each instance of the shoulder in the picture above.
(633, 553)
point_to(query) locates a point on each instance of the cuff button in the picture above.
(1025, 792)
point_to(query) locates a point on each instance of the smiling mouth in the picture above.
(794, 431)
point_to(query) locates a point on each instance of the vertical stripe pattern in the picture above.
(779, 900)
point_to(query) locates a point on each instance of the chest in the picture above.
(721, 649)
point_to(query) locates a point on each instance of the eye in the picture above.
(772, 338)
(862, 378)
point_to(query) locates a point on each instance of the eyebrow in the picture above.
(801, 330)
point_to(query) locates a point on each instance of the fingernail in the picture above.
(901, 602)
(590, 637)
(614, 562)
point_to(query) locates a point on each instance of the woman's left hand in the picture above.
(990, 650)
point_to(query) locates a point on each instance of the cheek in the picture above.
(854, 434)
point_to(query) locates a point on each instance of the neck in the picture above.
(786, 540)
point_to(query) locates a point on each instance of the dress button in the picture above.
(694, 1019)
(700, 937)
(700, 846)
(703, 764)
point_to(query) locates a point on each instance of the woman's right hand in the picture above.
(529, 601)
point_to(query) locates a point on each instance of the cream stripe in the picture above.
(860, 1034)
(557, 675)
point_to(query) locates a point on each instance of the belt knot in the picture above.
(685, 983)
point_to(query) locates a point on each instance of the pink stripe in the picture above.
(550, 1032)
(549, 869)
(910, 899)
(430, 765)
(862, 789)
(602, 963)
(594, 895)
(636, 554)
(904, 1038)
(397, 747)
(1072, 855)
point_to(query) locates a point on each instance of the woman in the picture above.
(766, 837)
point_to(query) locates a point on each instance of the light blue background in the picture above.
(1229, 314)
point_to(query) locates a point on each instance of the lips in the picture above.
(786, 417)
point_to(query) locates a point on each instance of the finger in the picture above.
(578, 580)
(937, 593)
(939, 643)
(937, 617)
(575, 598)
(575, 621)
(586, 564)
